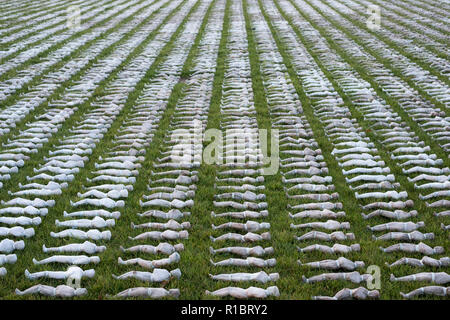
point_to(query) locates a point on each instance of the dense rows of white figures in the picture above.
(86, 86)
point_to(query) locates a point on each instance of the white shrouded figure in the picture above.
(336, 248)
(242, 214)
(354, 277)
(340, 263)
(37, 202)
(28, 210)
(240, 293)
(113, 194)
(154, 293)
(171, 214)
(317, 214)
(176, 203)
(165, 235)
(92, 234)
(73, 260)
(404, 236)
(429, 290)
(397, 226)
(23, 221)
(389, 205)
(318, 235)
(61, 291)
(261, 277)
(425, 261)
(360, 293)
(244, 251)
(413, 248)
(86, 247)
(171, 224)
(382, 195)
(158, 275)
(8, 258)
(248, 237)
(162, 247)
(434, 277)
(93, 213)
(96, 222)
(328, 225)
(248, 262)
(396, 214)
(151, 264)
(248, 226)
(104, 202)
(72, 272)
(16, 232)
(8, 246)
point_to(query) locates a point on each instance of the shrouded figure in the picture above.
(248, 262)
(8, 246)
(74, 260)
(150, 264)
(158, 275)
(261, 277)
(429, 290)
(434, 277)
(244, 251)
(162, 247)
(72, 272)
(360, 293)
(248, 237)
(240, 293)
(414, 248)
(340, 263)
(404, 236)
(336, 248)
(61, 291)
(354, 277)
(155, 293)
(86, 247)
(425, 261)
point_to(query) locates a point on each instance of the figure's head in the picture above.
(89, 273)
(179, 247)
(274, 276)
(19, 245)
(269, 250)
(94, 260)
(439, 250)
(271, 262)
(373, 294)
(266, 235)
(184, 234)
(186, 225)
(80, 292)
(273, 291)
(176, 273)
(355, 247)
(174, 292)
(11, 258)
(106, 235)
